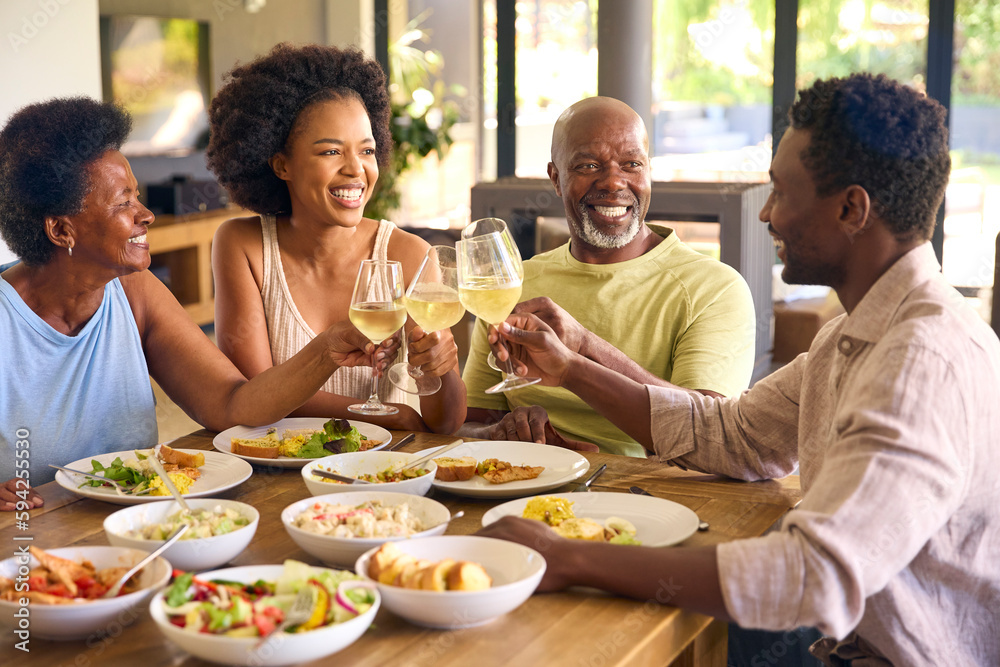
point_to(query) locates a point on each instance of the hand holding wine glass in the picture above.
(489, 286)
(377, 311)
(432, 302)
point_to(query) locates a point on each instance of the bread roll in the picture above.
(435, 576)
(455, 469)
(382, 558)
(467, 576)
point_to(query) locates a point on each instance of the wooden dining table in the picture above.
(579, 627)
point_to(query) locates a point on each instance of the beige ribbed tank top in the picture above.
(288, 332)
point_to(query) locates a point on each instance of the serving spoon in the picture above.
(114, 590)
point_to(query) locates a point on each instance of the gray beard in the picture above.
(591, 235)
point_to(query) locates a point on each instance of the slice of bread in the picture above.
(468, 576)
(382, 558)
(182, 459)
(261, 448)
(435, 576)
(455, 469)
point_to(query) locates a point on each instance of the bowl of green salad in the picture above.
(219, 530)
(235, 616)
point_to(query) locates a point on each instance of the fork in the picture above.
(300, 612)
(121, 490)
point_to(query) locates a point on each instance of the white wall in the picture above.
(48, 48)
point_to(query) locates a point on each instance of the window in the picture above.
(713, 65)
(972, 205)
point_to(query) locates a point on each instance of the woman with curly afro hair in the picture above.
(297, 137)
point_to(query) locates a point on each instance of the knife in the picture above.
(585, 484)
(402, 441)
(702, 525)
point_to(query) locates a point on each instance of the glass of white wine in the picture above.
(488, 226)
(377, 311)
(432, 302)
(489, 286)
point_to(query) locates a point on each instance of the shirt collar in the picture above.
(875, 312)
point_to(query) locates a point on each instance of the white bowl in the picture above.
(196, 554)
(85, 619)
(286, 649)
(353, 464)
(516, 571)
(345, 551)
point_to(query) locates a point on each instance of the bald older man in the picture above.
(668, 313)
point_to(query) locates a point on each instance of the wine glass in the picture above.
(432, 302)
(489, 286)
(487, 226)
(377, 311)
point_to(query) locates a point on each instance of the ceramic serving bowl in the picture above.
(353, 464)
(83, 619)
(516, 571)
(344, 551)
(285, 649)
(194, 553)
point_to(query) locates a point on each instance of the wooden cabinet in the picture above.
(180, 249)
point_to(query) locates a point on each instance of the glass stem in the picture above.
(373, 399)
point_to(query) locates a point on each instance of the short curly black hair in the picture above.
(889, 139)
(44, 151)
(253, 115)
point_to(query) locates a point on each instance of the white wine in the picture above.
(377, 319)
(434, 306)
(488, 300)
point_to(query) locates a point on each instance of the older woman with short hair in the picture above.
(84, 323)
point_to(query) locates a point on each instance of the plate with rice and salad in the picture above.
(294, 441)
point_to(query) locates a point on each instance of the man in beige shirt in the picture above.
(893, 415)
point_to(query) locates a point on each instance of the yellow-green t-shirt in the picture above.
(681, 315)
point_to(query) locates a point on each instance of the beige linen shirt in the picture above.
(894, 419)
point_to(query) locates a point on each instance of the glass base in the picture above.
(512, 382)
(402, 376)
(373, 409)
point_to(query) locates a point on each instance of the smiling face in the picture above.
(600, 168)
(110, 228)
(806, 230)
(329, 162)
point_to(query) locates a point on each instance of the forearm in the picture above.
(604, 353)
(621, 399)
(678, 576)
(444, 411)
(278, 390)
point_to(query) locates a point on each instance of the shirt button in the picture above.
(845, 346)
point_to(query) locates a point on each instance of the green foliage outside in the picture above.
(422, 117)
(682, 72)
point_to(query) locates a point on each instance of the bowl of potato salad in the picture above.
(219, 530)
(339, 527)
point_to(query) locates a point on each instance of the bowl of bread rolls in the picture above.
(452, 581)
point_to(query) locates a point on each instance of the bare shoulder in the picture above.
(149, 299)
(407, 248)
(243, 233)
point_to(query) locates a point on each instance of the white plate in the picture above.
(223, 441)
(658, 522)
(219, 473)
(561, 466)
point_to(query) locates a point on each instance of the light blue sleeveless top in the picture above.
(70, 397)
